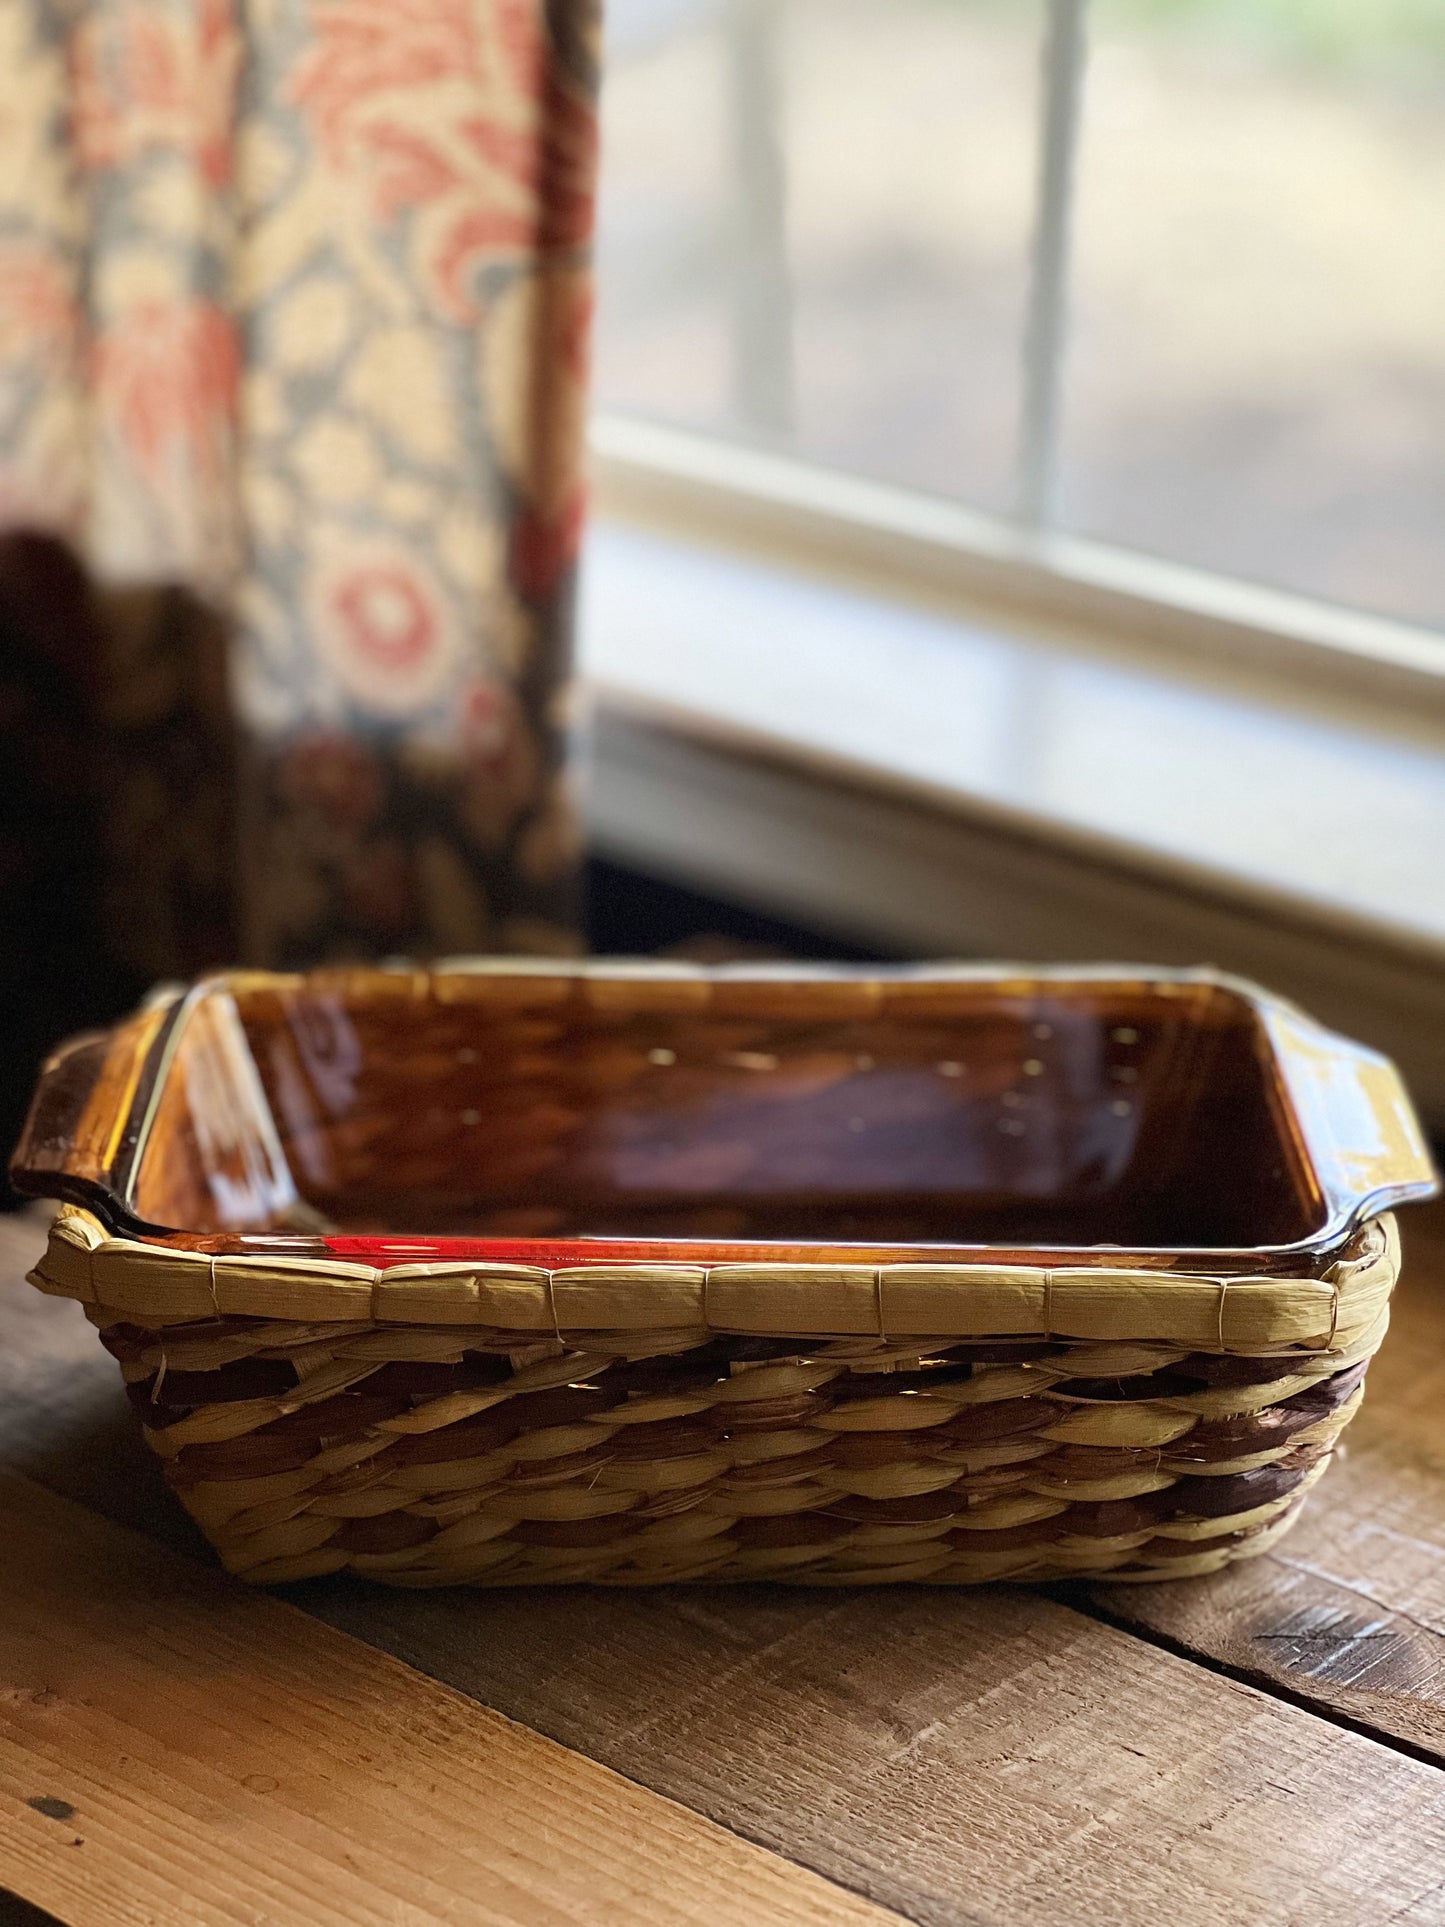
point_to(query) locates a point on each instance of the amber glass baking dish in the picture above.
(509, 1272)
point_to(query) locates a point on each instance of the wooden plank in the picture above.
(1348, 1613)
(174, 1749)
(992, 1755)
(64, 1419)
(989, 1755)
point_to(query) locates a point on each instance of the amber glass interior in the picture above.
(1082, 1115)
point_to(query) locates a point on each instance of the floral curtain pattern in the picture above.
(294, 310)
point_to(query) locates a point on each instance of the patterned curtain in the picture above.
(294, 307)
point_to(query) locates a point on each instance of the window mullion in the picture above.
(761, 287)
(1044, 335)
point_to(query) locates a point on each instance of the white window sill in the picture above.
(891, 771)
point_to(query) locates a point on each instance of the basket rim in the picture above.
(150, 1283)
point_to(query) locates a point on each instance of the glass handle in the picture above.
(1361, 1134)
(83, 1116)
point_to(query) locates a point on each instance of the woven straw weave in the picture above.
(438, 1424)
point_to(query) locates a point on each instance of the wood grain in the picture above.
(174, 1749)
(64, 1420)
(990, 1757)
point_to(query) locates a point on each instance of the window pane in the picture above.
(814, 227)
(1257, 377)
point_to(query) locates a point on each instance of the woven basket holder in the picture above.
(664, 1423)
(462, 1423)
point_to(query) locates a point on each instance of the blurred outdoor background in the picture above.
(815, 235)
(1111, 278)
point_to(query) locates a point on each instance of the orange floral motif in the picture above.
(487, 718)
(386, 617)
(385, 527)
(544, 547)
(368, 47)
(513, 179)
(38, 310)
(519, 37)
(166, 375)
(381, 624)
(144, 78)
(553, 167)
(406, 170)
(500, 764)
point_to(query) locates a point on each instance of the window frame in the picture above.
(779, 819)
(895, 542)
(1006, 568)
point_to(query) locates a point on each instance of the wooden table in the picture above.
(1260, 1750)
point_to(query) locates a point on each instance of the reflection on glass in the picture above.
(1074, 1115)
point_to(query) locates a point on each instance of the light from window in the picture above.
(1186, 295)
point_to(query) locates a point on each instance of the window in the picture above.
(1164, 274)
